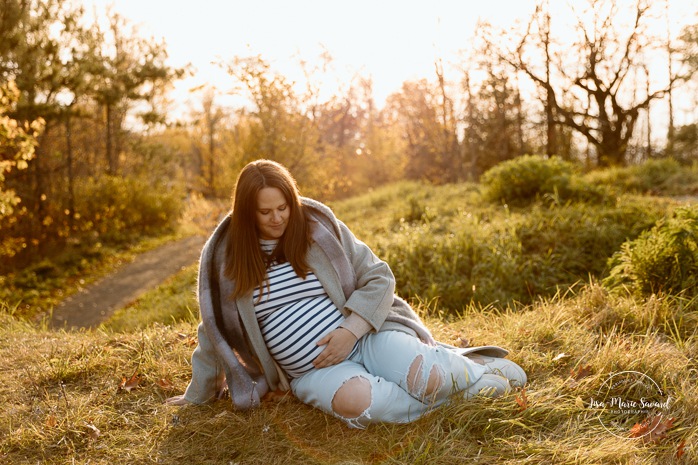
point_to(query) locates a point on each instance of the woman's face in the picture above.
(273, 212)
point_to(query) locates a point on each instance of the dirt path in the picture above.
(98, 301)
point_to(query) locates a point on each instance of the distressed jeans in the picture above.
(398, 367)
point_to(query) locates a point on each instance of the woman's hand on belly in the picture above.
(338, 345)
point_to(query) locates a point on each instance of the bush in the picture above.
(663, 176)
(493, 256)
(663, 260)
(115, 207)
(524, 179)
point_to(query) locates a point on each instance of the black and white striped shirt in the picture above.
(293, 314)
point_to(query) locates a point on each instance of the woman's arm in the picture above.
(375, 283)
(368, 305)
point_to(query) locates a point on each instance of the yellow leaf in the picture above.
(579, 403)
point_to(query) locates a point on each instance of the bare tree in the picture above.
(470, 145)
(450, 147)
(596, 71)
(670, 93)
(544, 23)
(211, 117)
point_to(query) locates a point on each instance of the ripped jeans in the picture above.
(390, 377)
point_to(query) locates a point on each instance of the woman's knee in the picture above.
(415, 382)
(353, 398)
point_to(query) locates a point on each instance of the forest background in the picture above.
(91, 154)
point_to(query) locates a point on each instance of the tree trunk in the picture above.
(551, 134)
(670, 97)
(211, 155)
(470, 133)
(71, 192)
(648, 149)
(109, 145)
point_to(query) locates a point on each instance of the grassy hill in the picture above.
(526, 276)
(447, 243)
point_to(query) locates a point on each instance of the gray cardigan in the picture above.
(231, 349)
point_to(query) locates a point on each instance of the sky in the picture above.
(392, 41)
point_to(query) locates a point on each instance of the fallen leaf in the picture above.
(581, 372)
(522, 399)
(579, 402)
(578, 374)
(165, 384)
(92, 431)
(680, 450)
(651, 429)
(276, 396)
(131, 383)
(51, 421)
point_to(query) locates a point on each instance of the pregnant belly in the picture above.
(291, 333)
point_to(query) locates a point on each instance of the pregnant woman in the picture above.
(291, 300)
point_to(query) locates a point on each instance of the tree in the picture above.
(684, 143)
(498, 130)
(494, 117)
(689, 48)
(279, 123)
(543, 19)
(342, 124)
(597, 70)
(60, 66)
(14, 12)
(207, 122)
(17, 145)
(450, 145)
(126, 69)
(39, 33)
(417, 114)
(670, 93)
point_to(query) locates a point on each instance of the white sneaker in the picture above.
(488, 385)
(503, 367)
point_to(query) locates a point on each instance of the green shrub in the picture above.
(524, 179)
(663, 260)
(114, 207)
(477, 253)
(657, 176)
(416, 212)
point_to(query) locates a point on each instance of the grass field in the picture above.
(526, 278)
(61, 397)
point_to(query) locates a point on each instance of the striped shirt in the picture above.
(293, 314)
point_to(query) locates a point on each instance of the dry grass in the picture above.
(57, 389)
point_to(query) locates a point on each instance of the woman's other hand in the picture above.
(177, 400)
(338, 345)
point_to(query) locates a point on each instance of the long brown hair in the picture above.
(245, 263)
